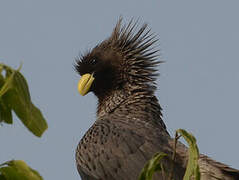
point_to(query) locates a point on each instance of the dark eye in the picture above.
(94, 61)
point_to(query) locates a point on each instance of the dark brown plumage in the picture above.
(129, 128)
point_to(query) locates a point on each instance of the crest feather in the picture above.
(136, 46)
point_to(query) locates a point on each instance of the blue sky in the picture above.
(198, 85)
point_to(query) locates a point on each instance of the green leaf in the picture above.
(7, 84)
(192, 169)
(1, 68)
(18, 170)
(152, 166)
(2, 177)
(20, 85)
(5, 110)
(2, 81)
(16, 96)
(31, 116)
(5, 113)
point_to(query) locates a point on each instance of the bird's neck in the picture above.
(141, 105)
(109, 102)
(143, 99)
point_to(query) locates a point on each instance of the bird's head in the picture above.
(126, 60)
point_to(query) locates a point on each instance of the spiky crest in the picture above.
(140, 59)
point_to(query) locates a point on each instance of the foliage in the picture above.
(18, 170)
(192, 170)
(15, 96)
(152, 166)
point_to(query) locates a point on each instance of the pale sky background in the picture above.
(198, 86)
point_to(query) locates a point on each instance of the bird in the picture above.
(121, 72)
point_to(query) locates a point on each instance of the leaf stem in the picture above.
(174, 155)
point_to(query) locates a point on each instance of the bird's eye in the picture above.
(94, 61)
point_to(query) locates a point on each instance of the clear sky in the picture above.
(198, 85)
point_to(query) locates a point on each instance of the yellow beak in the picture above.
(85, 83)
